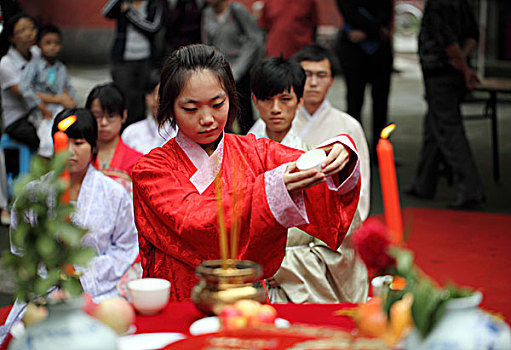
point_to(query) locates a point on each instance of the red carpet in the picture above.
(471, 249)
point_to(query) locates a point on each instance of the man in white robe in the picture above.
(317, 120)
(311, 272)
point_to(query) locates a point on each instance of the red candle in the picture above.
(60, 143)
(388, 183)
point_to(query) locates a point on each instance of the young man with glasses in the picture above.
(317, 120)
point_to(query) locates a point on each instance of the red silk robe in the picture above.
(178, 226)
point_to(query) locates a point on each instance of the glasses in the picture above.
(318, 75)
(107, 116)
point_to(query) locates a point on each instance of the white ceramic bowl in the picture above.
(381, 284)
(149, 295)
(311, 160)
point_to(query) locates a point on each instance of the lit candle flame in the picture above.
(385, 133)
(66, 123)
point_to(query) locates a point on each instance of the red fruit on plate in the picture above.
(234, 322)
(116, 313)
(248, 308)
(229, 311)
(265, 315)
(89, 306)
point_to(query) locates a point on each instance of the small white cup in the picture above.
(311, 160)
(381, 284)
(149, 295)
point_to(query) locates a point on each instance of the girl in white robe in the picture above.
(103, 207)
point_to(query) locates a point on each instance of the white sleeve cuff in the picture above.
(288, 210)
(352, 180)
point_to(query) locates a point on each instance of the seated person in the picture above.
(21, 31)
(44, 81)
(102, 206)
(174, 189)
(115, 159)
(317, 120)
(311, 272)
(144, 135)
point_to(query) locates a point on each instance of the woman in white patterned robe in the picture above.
(103, 207)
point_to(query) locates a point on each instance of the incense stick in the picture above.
(237, 209)
(221, 221)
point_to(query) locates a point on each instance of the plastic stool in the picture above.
(24, 155)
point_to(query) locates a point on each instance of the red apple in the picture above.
(248, 307)
(265, 315)
(89, 306)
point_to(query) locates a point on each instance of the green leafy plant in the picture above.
(49, 241)
(381, 256)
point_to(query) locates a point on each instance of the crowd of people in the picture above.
(147, 148)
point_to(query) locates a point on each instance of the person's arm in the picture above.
(151, 25)
(104, 271)
(327, 208)
(361, 21)
(68, 87)
(26, 91)
(252, 43)
(458, 62)
(112, 9)
(469, 46)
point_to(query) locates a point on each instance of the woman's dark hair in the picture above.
(11, 23)
(274, 75)
(110, 98)
(48, 29)
(317, 53)
(177, 70)
(85, 127)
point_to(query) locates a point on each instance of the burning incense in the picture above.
(237, 208)
(221, 221)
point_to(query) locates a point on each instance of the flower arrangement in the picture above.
(418, 300)
(50, 243)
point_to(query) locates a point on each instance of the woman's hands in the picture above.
(338, 156)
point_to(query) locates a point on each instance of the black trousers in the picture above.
(361, 69)
(132, 78)
(444, 140)
(21, 131)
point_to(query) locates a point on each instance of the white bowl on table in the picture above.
(149, 295)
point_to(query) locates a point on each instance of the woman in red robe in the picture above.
(174, 185)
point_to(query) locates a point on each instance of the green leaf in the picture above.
(39, 166)
(391, 297)
(404, 260)
(46, 246)
(64, 211)
(19, 235)
(458, 292)
(428, 306)
(73, 286)
(70, 234)
(81, 256)
(59, 163)
(42, 285)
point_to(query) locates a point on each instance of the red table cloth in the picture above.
(177, 317)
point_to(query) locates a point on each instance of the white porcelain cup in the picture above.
(381, 284)
(149, 295)
(311, 160)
